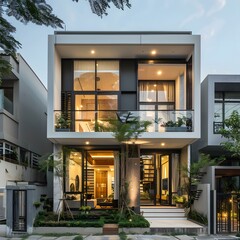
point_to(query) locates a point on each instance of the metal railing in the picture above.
(88, 121)
(228, 212)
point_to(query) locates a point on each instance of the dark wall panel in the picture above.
(128, 101)
(67, 75)
(128, 75)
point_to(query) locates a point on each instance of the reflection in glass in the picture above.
(107, 75)
(84, 75)
(147, 92)
(105, 104)
(73, 173)
(165, 92)
(85, 113)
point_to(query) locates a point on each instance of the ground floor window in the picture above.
(90, 177)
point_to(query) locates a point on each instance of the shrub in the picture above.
(134, 221)
(198, 217)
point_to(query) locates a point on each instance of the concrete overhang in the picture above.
(148, 140)
(175, 45)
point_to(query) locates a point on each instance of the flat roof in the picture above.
(123, 32)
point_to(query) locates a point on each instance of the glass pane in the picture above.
(107, 76)
(219, 96)
(84, 75)
(106, 103)
(218, 112)
(232, 96)
(165, 179)
(165, 92)
(230, 107)
(85, 113)
(147, 92)
(73, 179)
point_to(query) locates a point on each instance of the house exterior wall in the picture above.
(25, 128)
(129, 49)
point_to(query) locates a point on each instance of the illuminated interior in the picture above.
(92, 177)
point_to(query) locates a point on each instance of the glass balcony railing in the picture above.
(89, 121)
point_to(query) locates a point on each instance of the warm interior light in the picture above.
(153, 52)
(162, 144)
(102, 156)
(159, 72)
(87, 142)
(155, 85)
(92, 51)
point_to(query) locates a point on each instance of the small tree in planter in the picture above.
(126, 130)
(55, 162)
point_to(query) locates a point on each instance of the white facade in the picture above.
(23, 122)
(137, 55)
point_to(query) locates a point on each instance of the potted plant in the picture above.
(62, 123)
(180, 200)
(181, 125)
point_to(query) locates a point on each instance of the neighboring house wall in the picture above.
(24, 130)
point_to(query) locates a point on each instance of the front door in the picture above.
(159, 178)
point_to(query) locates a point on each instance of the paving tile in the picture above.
(150, 237)
(110, 237)
(48, 238)
(185, 237)
(66, 237)
(34, 237)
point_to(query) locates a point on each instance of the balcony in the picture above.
(89, 121)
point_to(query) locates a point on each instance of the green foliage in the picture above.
(25, 11)
(123, 236)
(62, 121)
(78, 238)
(179, 198)
(198, 217)
(37, 204)
(128, 130)
(100, 7)
(134, 221)
(232, 133)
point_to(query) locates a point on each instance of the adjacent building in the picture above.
(96, 76)
(23, 137)
(220, 96)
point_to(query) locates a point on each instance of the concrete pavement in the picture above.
(128, 237)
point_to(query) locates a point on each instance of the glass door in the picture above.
(147, 180)
(165, 192)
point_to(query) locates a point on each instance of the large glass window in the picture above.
(225, 104)
(96, 86)
(107, 75)
(84, 75)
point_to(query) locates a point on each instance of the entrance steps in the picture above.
(163, 213)
(170, 220)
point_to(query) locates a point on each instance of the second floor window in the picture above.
(225, 103)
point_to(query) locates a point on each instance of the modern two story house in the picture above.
(97, 76)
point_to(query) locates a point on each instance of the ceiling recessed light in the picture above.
(159, 72)
(92, 51)
(162, 144)
(153, 52)
(155, 85)
(87, 142)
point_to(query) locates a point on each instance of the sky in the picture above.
(217, 21)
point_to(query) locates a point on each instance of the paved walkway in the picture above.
(129, 237)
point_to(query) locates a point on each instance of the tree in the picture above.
(35, 11)
(231, 132)
(126, 128)
(99, 7)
